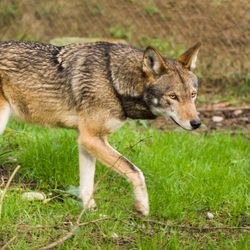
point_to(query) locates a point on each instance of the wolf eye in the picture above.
(193, 94)
(173, 96)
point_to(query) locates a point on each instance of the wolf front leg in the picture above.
(87, 176)
(4, 113)
(100, 148)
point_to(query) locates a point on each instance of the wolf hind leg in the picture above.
(4, 113)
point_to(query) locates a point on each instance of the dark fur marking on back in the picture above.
(107, 56)
(55, 54)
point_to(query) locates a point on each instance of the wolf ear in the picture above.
(153, 63)
(188, 58)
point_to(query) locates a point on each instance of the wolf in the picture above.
(94, 88)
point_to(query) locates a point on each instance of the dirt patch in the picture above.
(215, 117)
(228, 119)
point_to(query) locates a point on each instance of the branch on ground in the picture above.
(72, 231)
(198, 229)
(6, 188)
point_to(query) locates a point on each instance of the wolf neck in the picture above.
(135, 107)
(129, 85)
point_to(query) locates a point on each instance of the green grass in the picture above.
(187, 175)
(151, 9)
(119, 32)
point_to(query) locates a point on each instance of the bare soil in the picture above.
(215, 117)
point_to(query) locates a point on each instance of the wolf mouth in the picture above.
(179, 124)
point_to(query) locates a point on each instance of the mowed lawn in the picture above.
(187, 174)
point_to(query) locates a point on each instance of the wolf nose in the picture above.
(195, 124)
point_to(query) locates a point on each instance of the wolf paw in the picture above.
(141, 208)
(90, 205)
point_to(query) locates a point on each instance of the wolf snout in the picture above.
(195, 124)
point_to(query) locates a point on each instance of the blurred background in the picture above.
(171, 26)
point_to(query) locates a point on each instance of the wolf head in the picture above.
(171, 87)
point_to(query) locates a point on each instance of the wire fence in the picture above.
(222, 26)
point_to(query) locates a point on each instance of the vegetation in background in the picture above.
(164, 46)
(119, 32)
(150, 9)
(223, 55)
(96, 9)
(8, 12)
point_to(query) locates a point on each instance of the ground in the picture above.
(219, 116)
(188, 175)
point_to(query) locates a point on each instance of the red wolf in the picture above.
(94, 88)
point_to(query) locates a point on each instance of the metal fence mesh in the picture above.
(222, 26)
